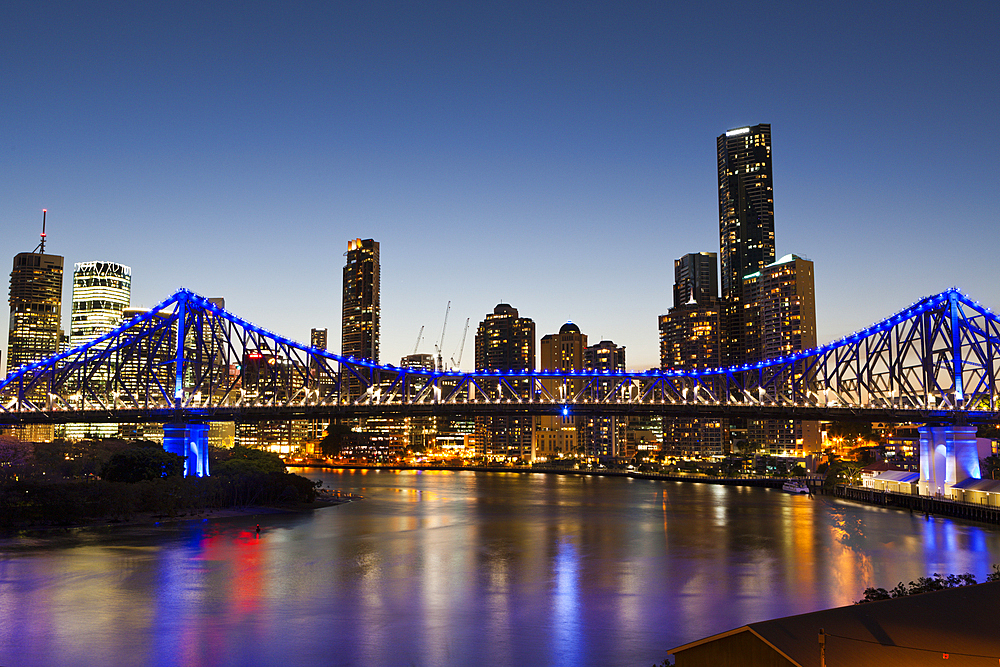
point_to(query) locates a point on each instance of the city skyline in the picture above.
(497, 157)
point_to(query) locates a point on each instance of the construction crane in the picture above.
(420, 337)
(440, 345)
(461, 350)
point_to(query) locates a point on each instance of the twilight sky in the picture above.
(556, 156)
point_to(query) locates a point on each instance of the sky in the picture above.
(557, 156)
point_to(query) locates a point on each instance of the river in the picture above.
(461, 568)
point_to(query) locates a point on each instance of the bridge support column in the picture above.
(948, 455)
(189, 440)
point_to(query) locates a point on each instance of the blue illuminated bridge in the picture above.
(187, 362)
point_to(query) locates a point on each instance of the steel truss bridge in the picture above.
(189, 361)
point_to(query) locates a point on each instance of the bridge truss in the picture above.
(189, 360)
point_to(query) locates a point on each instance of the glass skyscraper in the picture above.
(746, 205)
(101, 293)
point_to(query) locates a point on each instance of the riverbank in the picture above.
(814, 482)
(324, 498)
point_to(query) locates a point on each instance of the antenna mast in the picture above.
(41, 245)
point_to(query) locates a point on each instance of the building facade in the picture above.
(101, 293)
(692, 336)
(361, 309)
(604, 437)
(746, 222)
(505, 342)
(779, 315)
(35, 308)
(557, 436)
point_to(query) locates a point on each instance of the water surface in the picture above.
(462, 568)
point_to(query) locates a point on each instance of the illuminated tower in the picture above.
(604, 436)
(101, 293)
(690, 338)
(556, 436)
(35, 312)
(360, 324)
(505, 342)
(779, 316)
(746, 221)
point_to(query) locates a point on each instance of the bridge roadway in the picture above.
(254, 414)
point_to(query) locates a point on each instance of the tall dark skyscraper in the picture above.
(696, 279)
(746, 205)
(360, 324)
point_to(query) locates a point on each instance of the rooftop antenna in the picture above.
(41, 245)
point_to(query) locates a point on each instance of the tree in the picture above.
(14, 457)
(843, 472)
(142, 463)
(247, 460)
(935, 582)
(990, 467)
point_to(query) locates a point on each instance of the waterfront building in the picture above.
(556, 436)
(604, 437)
(505, 342)
(746, 221)
(361, 309)
(779, 315)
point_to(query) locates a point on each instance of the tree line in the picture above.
(67, 483)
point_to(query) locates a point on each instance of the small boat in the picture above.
(795, 486)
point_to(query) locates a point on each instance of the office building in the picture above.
(505, 342)
(557, 436)
(361, 310)
(35, 308)
(746, 222)
(35, 317)
(101, 293)
(779, 315)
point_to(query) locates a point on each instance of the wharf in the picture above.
(926, 504)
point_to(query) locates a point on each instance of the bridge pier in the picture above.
(189, 440)
(948, 455)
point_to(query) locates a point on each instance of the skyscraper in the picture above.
(505, 342)
(604, 436)
(556, 436)
(691, 337)
(361, 310)
(101, 293)
(35, 317)
(35, 308)
(746, 204)
(696, 278)
(746, 222)
(779, 315)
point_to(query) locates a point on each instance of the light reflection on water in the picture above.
(452, 568)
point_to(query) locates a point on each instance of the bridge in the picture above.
(187, 362)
